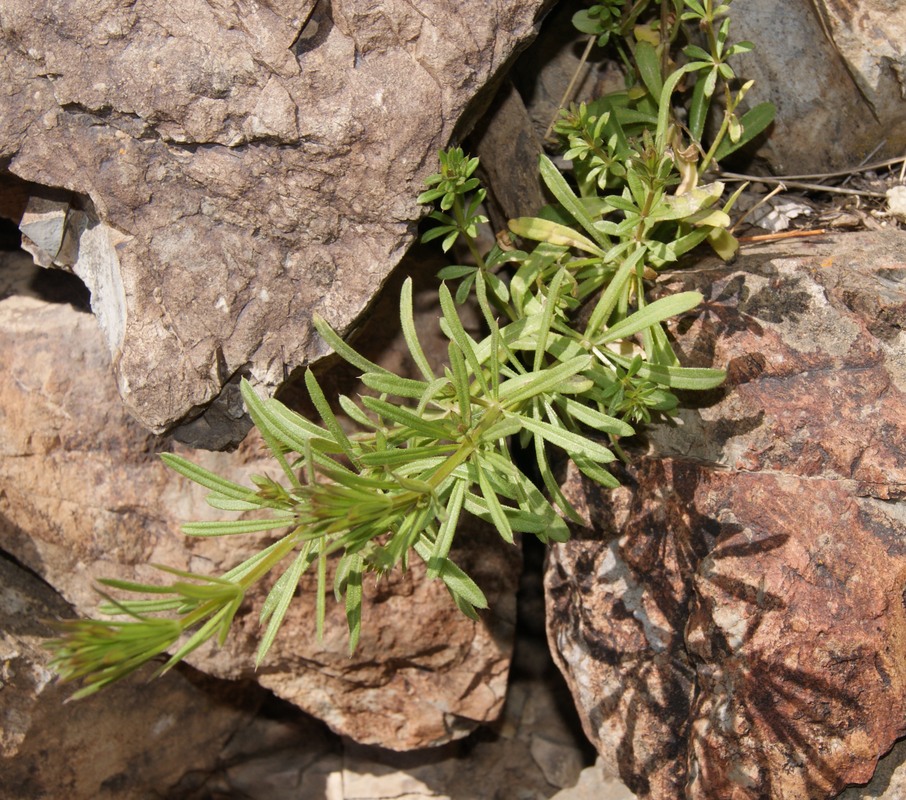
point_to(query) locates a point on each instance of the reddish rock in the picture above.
(732, 621)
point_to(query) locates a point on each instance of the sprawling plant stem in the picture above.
(574, 358)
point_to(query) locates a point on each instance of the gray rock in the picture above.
(836, 72)
(238, 166)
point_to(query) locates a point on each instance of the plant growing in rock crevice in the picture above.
(574, 357)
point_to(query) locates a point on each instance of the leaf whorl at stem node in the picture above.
(574, 357)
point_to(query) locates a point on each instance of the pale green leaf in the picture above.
(209, 480)
(568, 199)
(650, 315)
(407, 322)
(235, 527)
(519, 389)
(572, 443)
(454, 329)
(286, 592)
(447, 530)
(387, 383)
(542, 230)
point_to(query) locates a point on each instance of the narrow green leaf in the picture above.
(295, 430)
(458, 334)
(608, 300)
(596, 472)
(649, 64)
(696, 378)
(664, 105)
(202, 635)
(547, 317)
(568, 199)
(209, 480)
(321, 597)
(460, 379)
(346, 352)
(356, 414)
(650, 315)
(572, 443)
(224, 503)
(519, 389)
(235, 527)
(595, 419)
(327, 416)
(393, 384)
(400, 456)
(698, 111)
(354, 599)
(286, 593)
(447, 530)
(403, 416)
(498, 517)
(260, 415)
(407, 321)
(550, 482)
(535, 515)
(459, 584)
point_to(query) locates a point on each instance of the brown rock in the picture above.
(85, 496)
(139, 736)
(732, 623)
(234, 168)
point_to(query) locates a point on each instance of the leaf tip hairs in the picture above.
(574, 357)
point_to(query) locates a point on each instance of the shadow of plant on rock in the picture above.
(703, 644)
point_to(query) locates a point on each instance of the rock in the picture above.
(276, 757)
(509, 149)
(731, 623)
(503, 761)
(231, 169)
(560, 762)
(836, 72)
(592, 785)
(85, 496)
(102, 747)
(889, 781)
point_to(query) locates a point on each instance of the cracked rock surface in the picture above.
(731, 622)
(84, 495)
(230, 169)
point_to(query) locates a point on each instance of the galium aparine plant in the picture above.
(573, 359)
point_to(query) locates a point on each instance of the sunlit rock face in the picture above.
(230, 169)
(732, 621)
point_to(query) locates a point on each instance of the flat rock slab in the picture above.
(85, 496)
(234, 168)
(732, 622)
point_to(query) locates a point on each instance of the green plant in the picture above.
(574, 357)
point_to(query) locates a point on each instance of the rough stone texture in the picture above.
(276, 760)
(139, 737)
(236, 167)
(836, 71)
(732, 622)
(84, 496)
